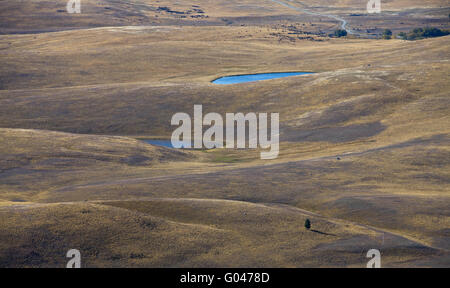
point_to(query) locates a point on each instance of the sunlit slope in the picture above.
(359, 82)
(192, 233)
(188, 55)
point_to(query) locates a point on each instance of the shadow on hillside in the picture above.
(323, 233)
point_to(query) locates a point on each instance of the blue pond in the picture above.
(255, 77)
(164, 143)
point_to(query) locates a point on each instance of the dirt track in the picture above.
(343, 25)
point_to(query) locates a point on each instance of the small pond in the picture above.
(164, 143)
(256, 77)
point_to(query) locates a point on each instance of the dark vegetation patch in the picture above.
(136, 160)
(339, 33)
(193, 13)
(422, 33)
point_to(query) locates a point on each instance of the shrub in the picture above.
(340, 33)
(387, 34)
(421, 33)
(403, 35)
(307, 224)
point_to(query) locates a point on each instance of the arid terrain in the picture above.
(364, 141)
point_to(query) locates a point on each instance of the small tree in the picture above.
(403, 35)
(340, 33)
(307, 224)
(387, 34)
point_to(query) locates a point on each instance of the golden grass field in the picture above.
(364, 150)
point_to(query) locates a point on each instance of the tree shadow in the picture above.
(323, 233)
